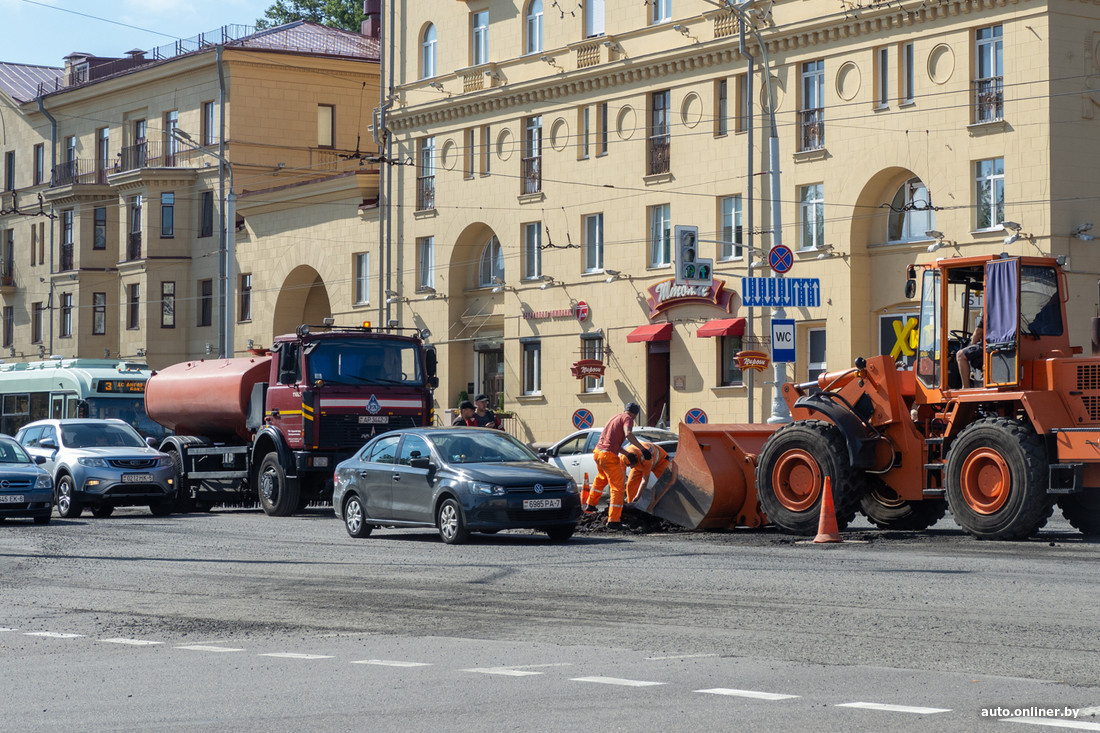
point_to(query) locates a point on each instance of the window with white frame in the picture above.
(905, 62)
(882, 77)
(532, 250)
(532, 367)
(593, 242)
(660, 235)
(989, 193)
(601, 111)
(730, 213)
(583, 130)
(491, 266)
(989, 74)
(326, 125)
(207, 134)
(425, 175)
(534, 27)
(811, 215)
(479, 37)
(167, 215)
(911, 214)
(593, 18)
(427, 52)
(729, 373)
(592, 348)
(815, 350)
(244, 311)
(662, 11)
(168, 304)
(99, 314)
(811, 117)
(425, 263)
(362, 278)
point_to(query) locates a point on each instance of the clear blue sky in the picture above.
(42, 32)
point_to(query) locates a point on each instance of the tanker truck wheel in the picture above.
(1082, 511)
(278, 494)
(791, 475)
(184, 502)
(996, 479)
(885, 510)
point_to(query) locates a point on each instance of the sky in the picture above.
(44, 32)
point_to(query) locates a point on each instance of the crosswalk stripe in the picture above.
(893, 708)
(391, 663)
(294, 655)
(616, 681)
(206, 648)
(132, 642)
(53, 634)
(748, 693)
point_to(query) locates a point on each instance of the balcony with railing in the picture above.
(531, 178)
(425, 193)
(133, 246)
(154, 154)
(82, 171)
(66, 260)
(811, 129)
(989, 99)
(659, 154)
(7, 276)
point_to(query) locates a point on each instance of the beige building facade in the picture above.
(545, 154)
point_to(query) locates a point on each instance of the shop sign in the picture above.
(667, 294)
(757, 360)
(588, 368)
(579, 310)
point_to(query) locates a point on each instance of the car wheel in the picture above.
(43, 519)
(67, 506)
(561, 533)
(103, 511)
(163, 509)
(452, 525)
(355, 518)
(278, 494)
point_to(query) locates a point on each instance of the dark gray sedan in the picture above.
(459, 480)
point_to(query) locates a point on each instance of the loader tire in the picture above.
(996, 477)
(885, 510)
(1082, 511)
(278, 494)
(791, 474)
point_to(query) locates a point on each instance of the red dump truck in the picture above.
(271, 427)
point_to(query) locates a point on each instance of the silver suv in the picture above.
(102, 464)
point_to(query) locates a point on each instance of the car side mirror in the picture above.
(910, 289)
(420, 462)
(40, 459)
(544, 453)
(48, 443)
(151, 442)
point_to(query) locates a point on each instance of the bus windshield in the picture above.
(364, 361)
(130, 411)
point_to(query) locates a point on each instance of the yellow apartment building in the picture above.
(544, 154)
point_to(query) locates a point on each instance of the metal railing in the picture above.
(425, 193)
(659, 154)
(531, 177)
(133, 246)
(989, 99)
(7, 273)
(153, 154)
(811, 128)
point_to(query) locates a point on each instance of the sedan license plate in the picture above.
(12, 499)
(542, 503)
(374, 419)
(137, 478)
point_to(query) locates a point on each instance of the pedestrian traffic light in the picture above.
(690, 268)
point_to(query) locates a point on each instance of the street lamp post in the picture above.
(228, 254)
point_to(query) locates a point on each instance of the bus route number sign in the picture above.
(121, 386)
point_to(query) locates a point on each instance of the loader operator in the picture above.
(971, 355)
(640, 466)
(610, 471)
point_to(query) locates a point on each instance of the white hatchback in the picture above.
(574, 453)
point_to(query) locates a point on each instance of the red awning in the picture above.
(652, 332)
(722, 327)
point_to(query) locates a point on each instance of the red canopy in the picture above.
(652, 332)
(722, 327)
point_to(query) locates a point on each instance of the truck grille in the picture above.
(345, 431)
(1088, 377)
(1092, 406)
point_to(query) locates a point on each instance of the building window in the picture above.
(532, 250)
(882, 77)
(532, 155)
(425, 263)
(989, 193)
(326, 125)
(133, 242)
(905, 61)
(602, 134)
(989, 79)
(206, 302)
(662, 11)
(427, 52)
(911, 213)
(7, 265)
(730, 375)
(362, 278)
(168, 304)
(36, 323)
(207, 136)
(743, 111)
(532, 367)
(9, 170)
(479, 38)
(99, 231)
(593, 243)
(66, 248)
(583, 132)
(592, 348)
(69, 166)
(730, 211)
(469, 153)
(244, 312)
(66, 324)
(171, 144)
(9, 326)
(660, 235)
(138, 154)
(815, 349)
(167, 215)
(593, 18)
(491, 267)
(534, 27)
(39, 163)
(811, 117)
(133, 307)
(102, 154)
(206, 213)
(486, 149)
(425, 175)
(659, 139)
(889, 326)
(99, 314)
(811, 214)
(721, 107)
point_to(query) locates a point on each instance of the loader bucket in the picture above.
(711, 483)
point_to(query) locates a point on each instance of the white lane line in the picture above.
(616, 681)
(748, 693)
(132, 642)
(1055, 723)
(294, 655)
(680, 656)
(893, 708)
(503, 671)
(392, 663)
(206, 648)
(1088, 711)
(53, 635)
(7, 629)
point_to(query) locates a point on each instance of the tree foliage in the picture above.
(346, 14)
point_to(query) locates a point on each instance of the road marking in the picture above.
(132, 642)
(616, 681)
(893, 708)
(294, 655)
(205, 648)
(748, 693)
(680, 656)
(392, 663)
(1055, 723)
(7, 629)
(503, 671)
(53, 634)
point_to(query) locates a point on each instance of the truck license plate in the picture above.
(374, 419)
(11, 499)
(137, 478)
(542, 503)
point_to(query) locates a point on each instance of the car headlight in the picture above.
(482, 488)
(571, 487)
(44, 482)
(166, 461)
(93, 462)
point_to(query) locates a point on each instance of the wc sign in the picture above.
(783, 340)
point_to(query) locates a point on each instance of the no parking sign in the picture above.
(582, 419)
(695, 415)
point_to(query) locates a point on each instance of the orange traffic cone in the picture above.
(827, 530)
(585, 489)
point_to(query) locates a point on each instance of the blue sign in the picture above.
(781, 258)
(783, 349)
(780, 292)
(582, 419)
(695, 415)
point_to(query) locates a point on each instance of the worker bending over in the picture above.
(640, 467)
(610, 470)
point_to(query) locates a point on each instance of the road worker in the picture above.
(610, 470)
(640, 467)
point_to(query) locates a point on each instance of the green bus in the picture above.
(60, 388)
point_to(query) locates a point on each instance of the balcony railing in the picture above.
(77, 172)
(425, 193)
(811, 128)
(7, 274)
(531, 180)
(66, 263)
(989, 99)
(133, 246)
(153, 154)
(660, 154)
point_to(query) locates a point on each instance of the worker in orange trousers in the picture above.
(640, 467)
(618, 430)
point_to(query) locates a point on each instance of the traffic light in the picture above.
(690, 269)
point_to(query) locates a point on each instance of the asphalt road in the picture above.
(233, 620)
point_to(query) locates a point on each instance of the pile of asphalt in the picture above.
(634, 522)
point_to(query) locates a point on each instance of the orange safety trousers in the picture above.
(610, 472)
(639, 472)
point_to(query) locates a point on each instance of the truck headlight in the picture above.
(93, 462)
(44, 481)
(482, 488)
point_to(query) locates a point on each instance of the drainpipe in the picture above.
(749, 204)
(382, 141)
(53, 165)
(225, 333)
(389, 156)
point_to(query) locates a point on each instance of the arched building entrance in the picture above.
(302, 298)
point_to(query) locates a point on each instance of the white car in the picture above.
(574, 454)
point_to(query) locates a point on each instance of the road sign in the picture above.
(690, 269)
(582, 419)
(783, 340)
(695, 415)
(781, 258)
(780, 292)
